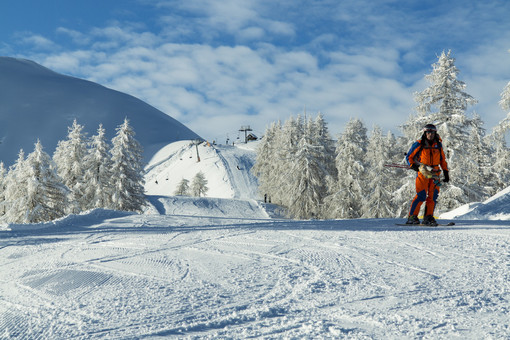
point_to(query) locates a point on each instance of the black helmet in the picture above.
(429, 128)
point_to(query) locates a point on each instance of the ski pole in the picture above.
(437, 182)
(400, 166)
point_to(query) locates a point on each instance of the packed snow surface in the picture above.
(225, 267)
(132, 276)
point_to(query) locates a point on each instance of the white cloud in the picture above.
(78, 37)
(38, 42)
(222, 66)
(202, 85)
(251, 33)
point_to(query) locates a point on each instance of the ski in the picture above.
(426, 225)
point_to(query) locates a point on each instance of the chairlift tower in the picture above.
(197, 142)
(245, 128)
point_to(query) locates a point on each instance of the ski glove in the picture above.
(415, 167)
(446, 176)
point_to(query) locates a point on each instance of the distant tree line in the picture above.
(83, 174)
(300, 167)
(198, 186)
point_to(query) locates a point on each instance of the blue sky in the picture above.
(216, 65)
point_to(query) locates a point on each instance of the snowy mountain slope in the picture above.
(226, 168)
(37, 103)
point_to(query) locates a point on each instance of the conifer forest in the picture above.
(83, 174)
(302, 167)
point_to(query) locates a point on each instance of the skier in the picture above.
(425, 157)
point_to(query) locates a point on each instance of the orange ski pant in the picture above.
(426, 191)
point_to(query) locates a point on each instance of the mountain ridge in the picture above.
(38, 103)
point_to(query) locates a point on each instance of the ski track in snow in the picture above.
(140, 276)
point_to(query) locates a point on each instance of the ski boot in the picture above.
(429, 220)
(413, 219)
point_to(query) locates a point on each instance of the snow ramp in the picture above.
(206, 207)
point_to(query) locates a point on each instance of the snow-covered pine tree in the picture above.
(182, 188)
(308, 173)
(479, 170)
(504, 103)
(380, 180)
(68, 157)
(446, 94)
(500, 156)
(199, 185)
(98, 173)
(127, 170)
(3, 173)
(320, 136)
(16, 192)
(266, 160)
(405, 179)
(46, 193)
(501, 152)
(346, 196)
(287, 147)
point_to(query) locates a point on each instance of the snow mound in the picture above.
(71, 221)
(495, 208)
(206, 207)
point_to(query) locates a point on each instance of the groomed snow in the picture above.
(132, 276)
(225, 267)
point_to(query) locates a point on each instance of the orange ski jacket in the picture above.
(432, 155)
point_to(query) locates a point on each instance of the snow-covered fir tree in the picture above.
(3, 173)
(287, 147)
(308, 173)
(68, 157)
(16, 191)
(346, 196)
(98, 173)
(183, 188)
(479, 172)
(266, 162)
(127, 170)
(293, 164)
(500, 152)
(320, 135)
(444, 104)
(401, 180)
(500, 155)
(446, 94)
(379, 179)
(504, 103)
(46, 193)
(199, 185)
